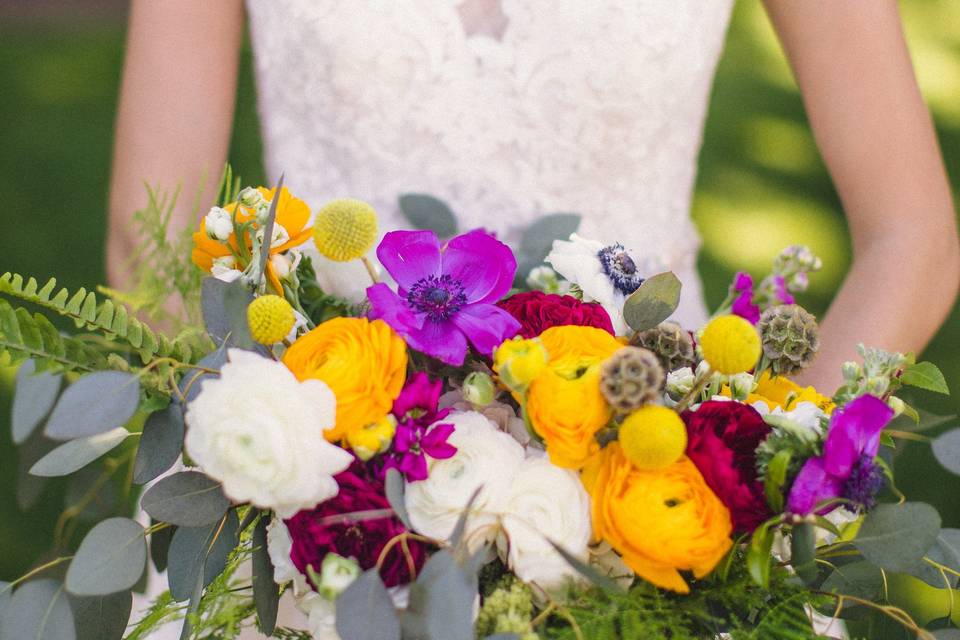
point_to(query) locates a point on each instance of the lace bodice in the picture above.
(505, 109)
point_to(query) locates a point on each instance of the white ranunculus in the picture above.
(218, 224)
(259, 431)
(321, 614)
(545, 503)
(501, 414)
(279, 547)
(486, 457)
(347, 280)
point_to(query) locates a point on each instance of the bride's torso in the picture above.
(505, 109)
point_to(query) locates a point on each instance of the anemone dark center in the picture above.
(437, 296)
(864, 483)
(621, 268)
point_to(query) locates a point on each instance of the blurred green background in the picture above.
(762, 186)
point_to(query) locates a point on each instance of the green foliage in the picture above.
(653, 302)
(318, 305)
(23, 336)
(111, 319)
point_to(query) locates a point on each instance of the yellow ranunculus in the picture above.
(373, 438)
(518, 362)
(564, 404)
(661, 521)
(363, 362)
(783, 392)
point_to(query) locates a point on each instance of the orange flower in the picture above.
(292, 214)
(661, 521)
(785, 393)
(564, 403)
(363, 362)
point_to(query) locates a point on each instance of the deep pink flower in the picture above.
(538, 311)
(416, 409)
(446, 296)
(743, 304)
(846, 469)
(326, 528)
(783, 294)
(722, 439)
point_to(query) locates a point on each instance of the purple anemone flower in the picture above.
(846, 469)
(445, 295)
(743, 304)
(416, 409)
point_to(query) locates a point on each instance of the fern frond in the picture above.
(786, 620)
(24, 336)
(107, 317)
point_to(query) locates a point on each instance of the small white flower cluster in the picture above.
(523, 502)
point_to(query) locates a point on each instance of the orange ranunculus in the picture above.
(363, 362)
(785, 393)
(292, 214)
(564, 403)
(661, 521)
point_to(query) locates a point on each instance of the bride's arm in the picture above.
(176, 110)
(878, 141)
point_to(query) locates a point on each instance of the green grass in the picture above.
(761, 186)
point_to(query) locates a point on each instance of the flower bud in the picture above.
(372, 439)
(250, 197)
(680, 382)
(282, 265)
(741, 386)
(851, 371)
(279, 236)
(896, 404)
(478, 389)
(336, 574)
(545, 279)
(877, 386)
(519, 361)
(262, 212)
(218, 224)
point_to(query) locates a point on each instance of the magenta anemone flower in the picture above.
(416, 409)
(847, 468)
(446, 295)
(743, 304)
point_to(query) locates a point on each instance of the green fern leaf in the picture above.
(24, 336)
(44, 294)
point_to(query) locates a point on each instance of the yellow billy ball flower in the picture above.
(345, 229)
(730, 345)
(519, 361)
(653, 437)
(270, 318)
(373, 438)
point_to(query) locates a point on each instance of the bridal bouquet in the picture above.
(431, 446)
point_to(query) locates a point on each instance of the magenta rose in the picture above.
(538, 311)
(722, 439)
(318, 531)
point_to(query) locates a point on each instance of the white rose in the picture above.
(259, 431)
(486, 457)
(219, 224)
(545, 503)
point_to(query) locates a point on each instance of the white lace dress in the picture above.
(505, 109)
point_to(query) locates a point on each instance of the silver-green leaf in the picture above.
(95, 403)
(394, 488)
(34, 396)
(896, 536)
(186, 499)
(365, 610)
(160, 444)
(200, 549)
(102, 617)
(537, 240)
(653, 302)
(111, 558)
(38, 610)
(266, 593)
(76, 454)
(426, 212)
(946, 448)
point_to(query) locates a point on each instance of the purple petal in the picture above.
(404, 438)
(436, 437)
(486, 326)
(812, 485)
(855, 432)
(414, 467)
(392, 309)
(742, 282)
(484, 266)
(409, 256)
(418, 393)
(782, 293)
(440, 340)
(743, 306)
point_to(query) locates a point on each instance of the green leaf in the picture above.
(441, 601)
(887, 440)
(896, 536)
(76, 454)
(775, 478)
(598, 579)
(111, 558)
(34, 396)
(758, 553)
(95, 403)
(395, 496)
(945, 551)
(266, 593)
(861, 579)
(224, 307)
(160, 545)
(537, 240)
(365, 610)
(186, 499)
(946, 448)
(803, 543)
(192, 381)
(102, 617)
(653, 302)
(925, 375)
(194, 548)
(160, 444)
(38, 610)
(427, 212)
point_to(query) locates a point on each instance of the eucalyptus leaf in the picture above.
(102, 617)
(29, 488)
(160, 545)
(653, 302)
(95, 403)
(946, 634)
(537, 240)
(426, 212)
(946, 449)
(38, 610)
(160, 444)
(194, 548)
(76, 454)
(598, 579)
(394, 487)
(503, 636)
(365, 610)
(266, 593)
(34, 396)
(111, 558)
(224, 306)
(267, 236)
(896, 536)
(456, 537)
(192, 381)
(441, 601)
(101, 498)
(945, 551)
(860, 579)
(186, 499)
(925, 375)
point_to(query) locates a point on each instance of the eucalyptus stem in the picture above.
(35, 571)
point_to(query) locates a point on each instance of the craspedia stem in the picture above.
(370, 269)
